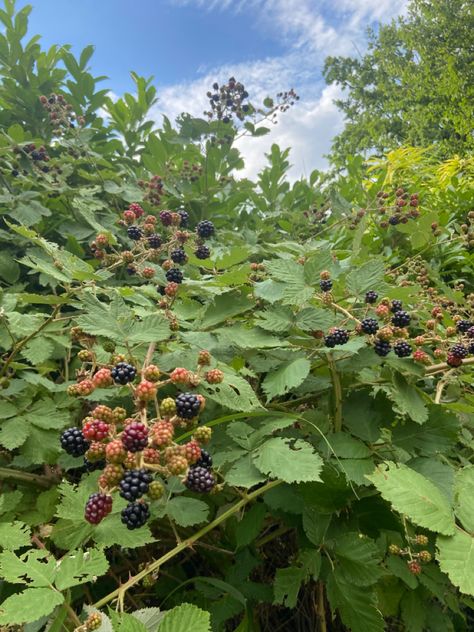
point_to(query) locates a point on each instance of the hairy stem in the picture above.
(26, 477)
(120, 592)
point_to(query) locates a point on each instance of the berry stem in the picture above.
(440, 386)
(345, 312)
(120, 592)
(26, 477)
(438, 368)
(336, 383)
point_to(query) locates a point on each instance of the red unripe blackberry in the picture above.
(203, 434)
(95, 430)
(102, 412)
(400, 191)
(130, 461)
(135, 483)
(112, 475)
(136, 208)
(171, 289)
(420, 356)
(200, 479)
(115, 452)
(82, 389)
(382, 310)
(194, 379)
(151, 373)
(74, 442)
(98, 507)
(135, 515)
(192, 452)
(414, 567)
(439, 353)
(156, 490)
(163, 432)
(148, 273)
(214, 376)
(146, 391)
(179, 376)
(204, 358)
(453, 360)
(103, 378)
(187, 405)
(151, 456)
(135, 436)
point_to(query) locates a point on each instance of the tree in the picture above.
(415, 84)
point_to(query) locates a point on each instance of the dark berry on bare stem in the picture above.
(382, 348)
(369, 326)
(205, 228)
(187, 405)
(202, 252)
(97, 507)
(371, 296)
(154, 240)
(200, 479)
(134, 232)
(135, 483)
(401, 318)
(402, 349)
(73, 442)
(174, 275)
(325, 285)
(123, 373)
(179, 256)
(135, 515)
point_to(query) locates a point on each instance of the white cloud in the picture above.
(310, 30)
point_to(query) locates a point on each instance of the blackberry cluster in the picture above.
(205, 228)
(135, 483)
(459, 351)
(135, 515)
(205, 460)
(174, 275)
(155, 240)
(336, 337)
(134, 232)
(402, 349)
(325, 285)
(123, 373)
(97, 507)
(178, 256)
(369, 326)
(73, 442)
(371, 297)
(382, 348)
(401, 318)
(187, 405)
(463, 326)
(202, 252)
(396, 306)
(200, 479)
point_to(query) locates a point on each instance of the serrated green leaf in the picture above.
(436, 435)
(312, 318)
(408, 399)
(38, 350)
(464, 494)
(243, 473)
(80, 567)
(358, 559)
(456, 558)
(293, 464)
(14, 535)
(234, 393)
(34, 568)
(279, 319)
(29, 605)
(287, 585)
(184, 618)
(14, 432)
(247, 529)
(150, 617)
(187, 511)
(286, 377)
(367, 276)
(111, 532)
(412, 494)
(357, 605)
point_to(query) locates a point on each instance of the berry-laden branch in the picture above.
(120, 592)
(438, 368)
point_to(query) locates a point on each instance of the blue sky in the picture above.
(269, 45)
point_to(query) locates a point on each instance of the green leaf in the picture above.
(9, 268)
(286, 377)
(243, 473)
(29, 605)
(437, 435)
(184, 618)
(408, 399)
(358, 559)
(153, 328)
(287, 585)
(367, 276)
(80, 567)
(313, 318)
(123, 622)
(150, 617)
(14, 535)
(112, 532)
(38, 350)
(464, 494)
(247, 529)
(234, 393)
(279, 319)
(414, 611)
(346, 447)
(357, 605)
(412, 494)
(14, 432)
(456, 558)
(34, 568)
(293, 464)
(187, 511)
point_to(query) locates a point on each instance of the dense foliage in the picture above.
(225, 404)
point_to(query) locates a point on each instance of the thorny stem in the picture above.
(26, 477)
(438, 368)
(336, 383)
(120, 592)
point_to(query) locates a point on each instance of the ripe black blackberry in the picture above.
(205, 460)
(135, 483)
(135, 515)
(393, 220)
(459, 351)
(382, 348)
(205, 228)
(471, 348)
(371, 296)
(73, 442)
(202, 252)
(396, 305)
(154, 240)
(123, 373)
(401, 318)
(174, 275)
(325, 285)
(369, 326)
(470, 332)
(161, 290)
(341, 336)
(187, 405)
(463, 325)
(402, 349)
(134, 232)
(178, 256)
(92, 466)
(200, 479)
(97, 507)
(184, 218)
(330, 341)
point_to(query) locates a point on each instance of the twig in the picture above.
(321, 607)
(336, 383)
(437, 368)
(26, 477)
